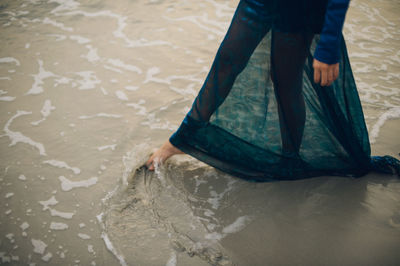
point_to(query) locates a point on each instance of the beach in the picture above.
(88, 89)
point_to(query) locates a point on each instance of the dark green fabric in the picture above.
(260, 116)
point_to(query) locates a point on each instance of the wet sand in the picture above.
(88, 89)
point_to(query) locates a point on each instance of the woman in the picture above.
(268, 109)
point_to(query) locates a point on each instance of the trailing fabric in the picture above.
(260, 116)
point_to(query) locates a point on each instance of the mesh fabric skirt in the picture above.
(260, 116)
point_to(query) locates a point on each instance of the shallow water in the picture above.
(88, 89)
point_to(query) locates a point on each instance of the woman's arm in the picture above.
(326, 56)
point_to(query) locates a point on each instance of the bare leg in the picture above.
(288, 58)
(244, 34)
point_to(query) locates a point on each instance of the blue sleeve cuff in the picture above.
(328, 53)
(327, 50)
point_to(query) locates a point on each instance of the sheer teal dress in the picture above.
(260, 116)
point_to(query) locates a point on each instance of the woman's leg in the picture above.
(289, 52)
(249, 25)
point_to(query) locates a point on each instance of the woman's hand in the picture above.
(162, 154)
(325, 74)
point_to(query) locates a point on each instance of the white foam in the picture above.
(10, 236)
(89, 80)
(17, 137)
(47, 257)
(50, 202)
(172, 260)
(151, 72)
(111, 248)
(112, 68)
(234, 227)
(46, 110)
(211, 226)
(7, 98)
(121, 64)
(237, 225)
(215, 198)
(214, 236)
(121, 95)
(64, 5)
(222, 9)
(131, 88)
(67, 185)
(141, 110)
(61, 164)
(92, 55)
(100, 115)
(61, 80)
(104, 91)
(4, 258)
(65, 215)
(150, 75)
(118, 33)
(7, 24)
(58, 226)
(208, 213)
(79, 39)
(83, 236)
(43, 74)
(390, 114)
(199, 61)
(9, 195)
(9, 60)
(38, 246)
(191, 89)
(155, 123)
(112, 147)
(202, 21)
(24, 226)
(90, 249)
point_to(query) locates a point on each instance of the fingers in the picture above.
(336, 72)
(154, 160)
(324, 77)
(317, 75)
(330, 76)
(150, 162)
(333, 73)
(325, 74)
(154, 163)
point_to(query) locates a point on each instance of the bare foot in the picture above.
(162, 154)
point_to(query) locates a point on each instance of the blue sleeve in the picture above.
(327, 50)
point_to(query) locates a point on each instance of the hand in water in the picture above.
(162, 154)
(325, 74)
